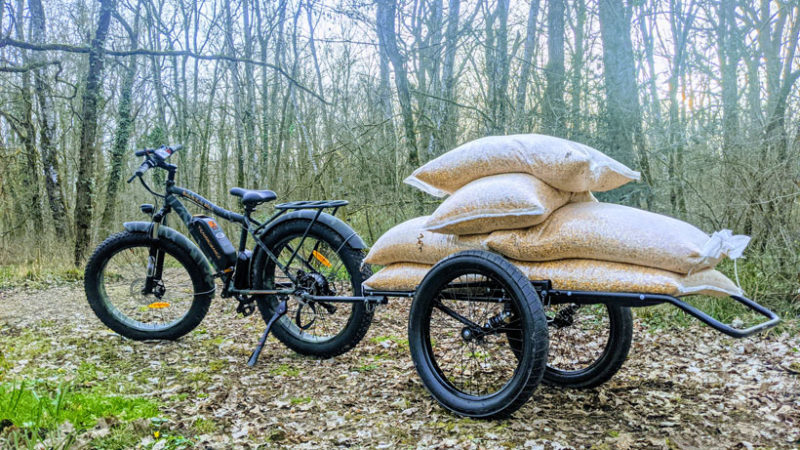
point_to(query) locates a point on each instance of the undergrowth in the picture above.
(39, 411)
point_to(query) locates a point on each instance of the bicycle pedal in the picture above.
(246, 309)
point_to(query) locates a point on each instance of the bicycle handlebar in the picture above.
(155, 158)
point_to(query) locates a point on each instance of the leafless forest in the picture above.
(342, 98)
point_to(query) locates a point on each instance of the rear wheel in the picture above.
(588, 343)
(116, 284)
(459, 323)
(323, 265)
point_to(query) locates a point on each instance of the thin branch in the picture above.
(454, 103)
(29, 67)
(83, 49)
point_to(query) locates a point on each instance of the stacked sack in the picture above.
(528, 198)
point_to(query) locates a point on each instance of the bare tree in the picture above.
(497, 66)
(84, 183)
(553, 106)
(526, 65)
(386, 15)
(623, 115)
(124, 125)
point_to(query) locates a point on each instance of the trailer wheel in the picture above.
(588, 343)
(459, 323)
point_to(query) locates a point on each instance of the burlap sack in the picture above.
(410, 242)
(591, 275)
(563, 164)
(609, 232)
(582, 275)
(398, 277)
(497, 202)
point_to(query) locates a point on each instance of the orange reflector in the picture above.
(321, 258)
(158, 305)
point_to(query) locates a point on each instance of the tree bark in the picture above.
(46, 115)
(623, 114)
(386, 13)
(30, 176)
(84, 184)
(554, 108)
(522, 121)
(123, 131)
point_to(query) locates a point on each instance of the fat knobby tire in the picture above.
(263, 269)
(532, 365)
(614, 355)
(125, 240)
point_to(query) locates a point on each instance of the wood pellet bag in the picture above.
(581, 275)
(410, 242)
(497, 202)
(611, 232)
(605, 276)
(565, 165)
(398, 277)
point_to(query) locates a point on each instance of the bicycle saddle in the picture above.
(252, 197)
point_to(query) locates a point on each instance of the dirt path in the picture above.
(679, 388)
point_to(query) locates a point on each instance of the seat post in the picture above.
(248, 209)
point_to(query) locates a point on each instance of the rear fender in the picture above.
(350, 237)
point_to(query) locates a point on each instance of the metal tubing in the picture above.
(638, 300)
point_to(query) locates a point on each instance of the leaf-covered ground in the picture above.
(688, 387)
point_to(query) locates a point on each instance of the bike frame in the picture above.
(249, 226)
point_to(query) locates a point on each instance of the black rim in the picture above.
(321, 271)
(122, 277)
(465, 334)
(579, 337)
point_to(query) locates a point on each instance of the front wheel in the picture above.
(322, 264)
(145, 288)
(464, 312)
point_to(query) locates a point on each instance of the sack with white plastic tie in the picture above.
(618, 233)
(581, 275)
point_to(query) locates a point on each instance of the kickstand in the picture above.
(279, 311)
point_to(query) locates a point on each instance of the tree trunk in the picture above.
(554, 108)
(729, 56)
(576, 67)
(84, 184)
(681, 24)
(623, 115)
(522, 122)
(123, 131)
(386, 13)
(449, 118)
(497, 66)
(47, 130)
(30, 176)
(238, 119)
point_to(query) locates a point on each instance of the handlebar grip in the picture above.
(142, 152)
(141, 170)
(176, 147)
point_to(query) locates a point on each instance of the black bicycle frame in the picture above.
(249, 226)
